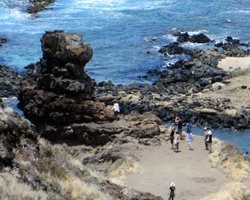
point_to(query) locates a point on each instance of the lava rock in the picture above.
(199, 38)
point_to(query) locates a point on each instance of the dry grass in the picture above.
(76, 189)
(231, 191)
(117, 171)
(12, 189)
(230, 159)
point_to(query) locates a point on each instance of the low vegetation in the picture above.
(239, 72)
(230, 159)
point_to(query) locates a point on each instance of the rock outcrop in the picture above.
(60, 99)
(196, 38)
(61, 93)
(3, 40)
(38, 5)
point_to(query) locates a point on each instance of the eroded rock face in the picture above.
(60, 92)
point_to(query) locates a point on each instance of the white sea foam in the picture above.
(195, 32)
(156, 47)
(14, 3)
(192, 45)
(116, 5)
(239, 11)
(169, 37)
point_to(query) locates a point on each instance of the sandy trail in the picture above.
(191, 171)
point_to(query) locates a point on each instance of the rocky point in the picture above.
(60, 100)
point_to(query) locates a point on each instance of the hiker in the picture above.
(171, 137)
(177, 142)
(116, 108)
(179, 122)
(172, 191)
(205, 133)
(189, 127)
(209, 140)
(189, 140)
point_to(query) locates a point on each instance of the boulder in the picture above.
(183, 37)
(199, 38)
(172, 48)
(217, 86)
(3, 40)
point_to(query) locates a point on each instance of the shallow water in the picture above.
(238, 138)
(121, 32)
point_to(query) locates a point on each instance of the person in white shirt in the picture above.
(209, 140)
(116, 108)
(189, 140)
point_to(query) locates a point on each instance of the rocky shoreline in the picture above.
(81, 156)
(176, 92)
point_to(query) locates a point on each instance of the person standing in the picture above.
(177, 142)
(116, 109)
(171, 137)
(172, 191)
(189, 127)
(189, 140)
(209, 140)
(205, 133)
(179, 122)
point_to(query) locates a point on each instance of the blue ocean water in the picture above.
(121, 32)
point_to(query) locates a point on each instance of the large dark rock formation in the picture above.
(61, 92)
(60, 99)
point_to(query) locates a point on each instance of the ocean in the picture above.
(121, 32)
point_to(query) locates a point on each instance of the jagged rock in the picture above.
(3, 40)
(60, 92)
(199, 38)
(38, 5)
(9, 81)
(183, 37)
(172, 48)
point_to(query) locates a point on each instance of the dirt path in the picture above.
(189, 170)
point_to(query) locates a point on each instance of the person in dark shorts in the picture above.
(179, 122)
(171, 137)
(205, 133)
(209, 140)
(172, 191)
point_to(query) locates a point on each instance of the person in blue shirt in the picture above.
(189, 127)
